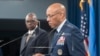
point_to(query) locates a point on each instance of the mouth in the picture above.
(50, 23)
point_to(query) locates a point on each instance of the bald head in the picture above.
(56, 14)
(57, 7)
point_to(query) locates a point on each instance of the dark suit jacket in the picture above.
(40, 40)
(68, 42)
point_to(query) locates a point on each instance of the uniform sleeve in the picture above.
(75, 43)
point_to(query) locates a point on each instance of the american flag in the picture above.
(84, 29)
(84, 23)
(84, 26)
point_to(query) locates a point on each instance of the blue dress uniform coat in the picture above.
(68, 42)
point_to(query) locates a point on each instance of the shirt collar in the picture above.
(31, 31)
(61, 25)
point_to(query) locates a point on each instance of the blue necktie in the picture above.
(54, 38)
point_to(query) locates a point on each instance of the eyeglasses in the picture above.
(50, 16)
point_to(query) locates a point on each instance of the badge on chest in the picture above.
(61, 40)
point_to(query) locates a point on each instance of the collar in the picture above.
(61, 25)
(31, 31)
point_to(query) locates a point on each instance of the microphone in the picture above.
(10, 41)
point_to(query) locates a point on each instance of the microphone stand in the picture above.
(10, 42)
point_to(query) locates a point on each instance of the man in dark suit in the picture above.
(67, 39)
(35, 40)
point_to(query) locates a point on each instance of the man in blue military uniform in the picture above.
(67, 39)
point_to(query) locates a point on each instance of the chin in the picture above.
(31, 29)
(51, 26)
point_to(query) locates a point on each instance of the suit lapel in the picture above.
(23, 42)
(32, 38)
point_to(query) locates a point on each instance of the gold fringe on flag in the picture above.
(81, 4)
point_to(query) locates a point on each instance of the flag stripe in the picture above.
(92, 33)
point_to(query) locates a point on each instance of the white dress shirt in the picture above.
(61, 25)
(30, 33)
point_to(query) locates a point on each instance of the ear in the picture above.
(37, 22)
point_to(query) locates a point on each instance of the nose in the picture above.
(48, 19)
(29, 23)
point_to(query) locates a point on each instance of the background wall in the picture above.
(12, 9)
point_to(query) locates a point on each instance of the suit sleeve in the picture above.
(43, 42)
(75, 43)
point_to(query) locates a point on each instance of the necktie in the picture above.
(52, 42)
(54, 37)
(28, 37)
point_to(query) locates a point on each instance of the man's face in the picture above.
(30, 22)
(53, 18)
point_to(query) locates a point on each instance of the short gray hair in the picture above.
(31, 14)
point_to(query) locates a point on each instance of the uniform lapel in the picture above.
(51, 34)
(54, 41)
(54, 36)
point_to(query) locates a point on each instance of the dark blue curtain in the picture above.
(96, 4)
(73, 12)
